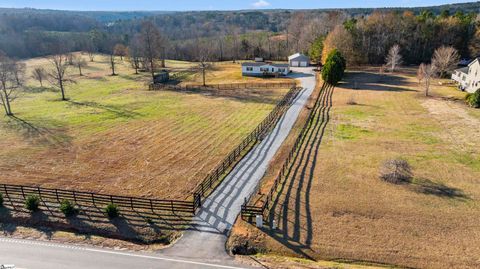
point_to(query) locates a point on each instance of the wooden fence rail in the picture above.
(16, 195)
(228, 86)
(249, 211)
(258, 134)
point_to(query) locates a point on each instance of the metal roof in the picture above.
(264, 64)
(298, 55)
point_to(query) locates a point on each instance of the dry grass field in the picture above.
(113, 136)
(335, 207)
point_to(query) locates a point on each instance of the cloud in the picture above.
(260, 4)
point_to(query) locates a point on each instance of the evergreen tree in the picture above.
(334, 67)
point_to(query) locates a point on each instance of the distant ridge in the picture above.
(109, 16)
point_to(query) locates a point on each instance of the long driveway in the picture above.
(206, 240)
(201, 247)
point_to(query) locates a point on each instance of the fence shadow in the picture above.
(291, 207)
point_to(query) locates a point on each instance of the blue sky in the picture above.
(212, 4)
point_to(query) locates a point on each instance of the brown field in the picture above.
(335, 207)
(113, 136)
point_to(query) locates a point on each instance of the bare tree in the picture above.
(57, 74)
(445, 59)
(89, 47)
(394, 58)
(39, 74)
(425, 73)
(120, 50)
(112, 63)
(203, 56)
(11, 82)
(135, 53)
(80, 63)
(152, 42)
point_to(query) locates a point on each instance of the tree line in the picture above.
(232, 35)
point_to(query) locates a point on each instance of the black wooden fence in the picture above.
(15, 195)
(214, 178)
(249, 211)
(227, 86)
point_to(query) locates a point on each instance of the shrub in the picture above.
(473, 99)
(1, 200)
(334, 68)
(112, 210)
(68, 208)
(32, 202)
(396, 171)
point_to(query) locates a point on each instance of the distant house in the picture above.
(259, 69)
(468, 78)
(298, 60)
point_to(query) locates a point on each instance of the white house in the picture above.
(298, 59)
(468, 78)
(259, 69)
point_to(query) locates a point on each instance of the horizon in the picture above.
(148, 6)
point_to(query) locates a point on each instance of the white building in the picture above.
(468, 78)
(298, 60)
(259, 69)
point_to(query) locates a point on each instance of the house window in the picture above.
(249, 68)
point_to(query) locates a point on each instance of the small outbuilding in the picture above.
(161, 77)
(298, 60)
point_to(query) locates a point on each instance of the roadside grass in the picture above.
(341, 210)
(114, 136)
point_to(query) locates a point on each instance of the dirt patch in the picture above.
(461, 128)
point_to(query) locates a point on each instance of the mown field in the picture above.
(334, 205)
(113, 136)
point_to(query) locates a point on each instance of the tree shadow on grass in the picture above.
(260, 96)
(31, 89)
(38, 132)
(116, 110)
(359, 80)
(428, 187)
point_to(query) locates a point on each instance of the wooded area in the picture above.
(233, 35)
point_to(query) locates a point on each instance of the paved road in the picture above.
(31, 254)
(201, 247)
(218, 213)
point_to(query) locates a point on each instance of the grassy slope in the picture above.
(114, 136)
(355, 216)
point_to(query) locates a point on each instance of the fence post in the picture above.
(93, 198)
(151, 205)
(131, 203)
(56, 194)
(39, 193)
(23, 193)
(74, 197)
(171, 202)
